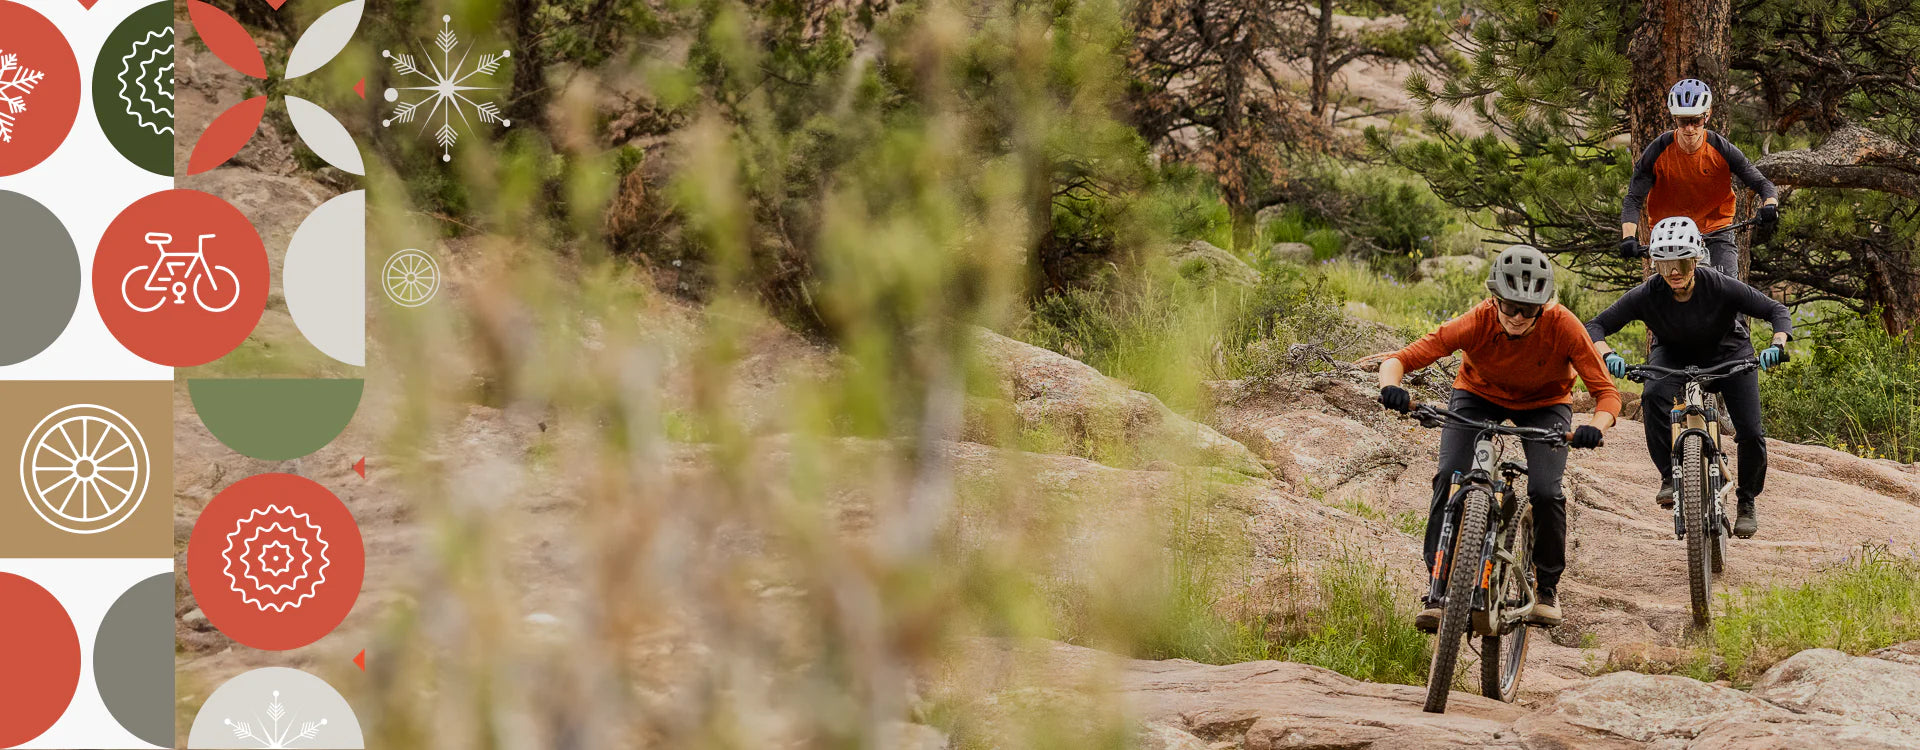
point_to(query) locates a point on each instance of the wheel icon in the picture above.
(84, 468)
(411, 278)
(211, 279)
(127, 298)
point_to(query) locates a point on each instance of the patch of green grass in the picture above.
(1853, 388)
(1360, 625)
(1412, 523)
(1870, 601)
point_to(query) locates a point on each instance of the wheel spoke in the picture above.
(103, 439)
(56, 485)
(110, 454)
(68, 500)
(56, 451)
(69, 438)
(109, 483)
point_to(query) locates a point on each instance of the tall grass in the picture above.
(1870, 601)
(1853, 387)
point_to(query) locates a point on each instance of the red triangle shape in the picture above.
(276, 3)
(360, 467)
(360, 88)
(88, 4)
(360, 660)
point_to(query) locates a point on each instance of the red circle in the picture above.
(180, 311)
(275, 561)
(38, 49)
(39, 660)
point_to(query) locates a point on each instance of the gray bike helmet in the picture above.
(1522, 274)
(1675, 238)
(1689, 97)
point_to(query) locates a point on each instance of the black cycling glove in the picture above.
(1396, 398)
(1769, 215)
(1629, 248)
(1585, 436)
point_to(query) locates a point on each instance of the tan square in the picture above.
(98, 479)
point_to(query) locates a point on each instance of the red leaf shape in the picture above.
(227, 39)
(227, 135)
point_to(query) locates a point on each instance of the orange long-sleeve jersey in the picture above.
(1530, 372)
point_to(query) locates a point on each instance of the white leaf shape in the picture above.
(324, 134)
(324, 39)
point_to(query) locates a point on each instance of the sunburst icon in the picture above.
(450, 88)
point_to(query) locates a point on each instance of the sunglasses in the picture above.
(1691, 121)
(1517, 310)
(1667, 267)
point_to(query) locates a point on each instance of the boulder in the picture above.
(1633, 710)
(1904, 653)
(1096, 414)
(1860, 689)
(1447, 265)
(1291, 252)
(1203, 261)
(1270, 704)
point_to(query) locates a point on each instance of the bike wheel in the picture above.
(1460, 581)
(128, 298)
(1696, 514)
(233, 284)
(1502, 657)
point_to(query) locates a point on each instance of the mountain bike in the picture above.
(1482, 578)
(176, 272)
(1701, 485)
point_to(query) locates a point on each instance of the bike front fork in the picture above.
(1715, 481)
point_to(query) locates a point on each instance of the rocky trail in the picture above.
(1306, 454)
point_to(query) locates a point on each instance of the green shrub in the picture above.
(1870, 601)
(1851, 386)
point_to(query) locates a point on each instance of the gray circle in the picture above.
(40, 285)
(133, 660)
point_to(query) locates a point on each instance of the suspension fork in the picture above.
(1449, 525)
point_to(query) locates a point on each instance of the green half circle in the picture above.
(275, 419)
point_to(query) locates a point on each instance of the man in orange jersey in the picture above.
(1521, 353)
(1689, 171)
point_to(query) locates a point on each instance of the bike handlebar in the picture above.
(1640, 373)
(1431, 417)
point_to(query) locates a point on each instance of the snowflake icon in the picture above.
(448, 90)
(16, 82)
(271, 734)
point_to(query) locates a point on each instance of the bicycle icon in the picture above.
(182, 270)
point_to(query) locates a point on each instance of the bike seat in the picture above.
(159, 237)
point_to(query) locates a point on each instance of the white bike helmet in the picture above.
(1689, 97)
(1676, 238)
(1521, 274)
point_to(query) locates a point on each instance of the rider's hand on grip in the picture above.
(1616, 365)
(1769, 215)
(1585, 436)
(1773, 356)
(1396, 398)
(1629, 248)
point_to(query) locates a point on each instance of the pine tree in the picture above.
(1568, 93)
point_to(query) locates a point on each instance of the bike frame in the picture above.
(1693, 415)
(1497, 476)
(197, 256)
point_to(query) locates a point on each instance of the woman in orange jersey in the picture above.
(1521, 352)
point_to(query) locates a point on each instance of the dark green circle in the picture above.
(147, 31)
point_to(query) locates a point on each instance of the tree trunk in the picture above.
(1893, 285)
(1322, 38)
(527, 102)
(1675, 39)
